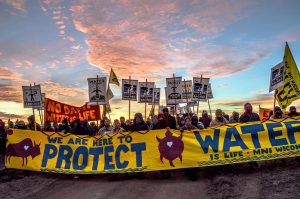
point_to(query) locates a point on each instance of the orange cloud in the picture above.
(147, 39)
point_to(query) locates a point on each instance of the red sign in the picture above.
(57, 111)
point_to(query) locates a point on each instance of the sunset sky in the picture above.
(59, 44)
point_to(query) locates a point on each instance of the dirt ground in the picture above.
(271, 180)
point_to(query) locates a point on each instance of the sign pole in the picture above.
(209, 108)
(199, 95)
(274, 104)
(174, 84)
(129, 97)
(145, 102)
(31, 95)
(186, 96)
(98, 105)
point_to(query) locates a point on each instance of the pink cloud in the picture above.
(142, 38)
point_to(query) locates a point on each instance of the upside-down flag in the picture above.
(290, 91)
(113, 78)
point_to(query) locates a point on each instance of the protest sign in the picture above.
(97, 90)
(173, 90)
(129, 89)
(56, 111)
(146, 92)
(276, 78)
(154, 150)
(156, 96)
(186, 91)
(200, 88)
(32, 96)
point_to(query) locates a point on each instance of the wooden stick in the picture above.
(199, 95)
(146, 103)
(129, 96)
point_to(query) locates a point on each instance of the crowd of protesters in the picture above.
(161, 121)
(188, 121)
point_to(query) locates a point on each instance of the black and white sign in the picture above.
(156, 96)
(200, 88)
(146, 91)
(277, 77)
(186, 91)
(32, 96)
(173, 90)
(129, 89)
(97, 90)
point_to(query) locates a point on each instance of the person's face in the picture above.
(278, 112)
(122, 120)
(138, 119)
(204, 113)
(117, 124)
(188, 122)
(182, 121)
(248, 108)
(219, 117)
(166, 113)
(106, 122)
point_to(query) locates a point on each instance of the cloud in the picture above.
(65, 94)
(141, 37)
(11, 115)
(10, 85)
(17, 5)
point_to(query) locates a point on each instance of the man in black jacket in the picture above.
(171, 122)
(248, 115)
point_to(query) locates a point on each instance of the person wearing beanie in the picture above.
(293, 112)
(278, 114)
(219, 120)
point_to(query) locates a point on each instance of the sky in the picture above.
(59, 44)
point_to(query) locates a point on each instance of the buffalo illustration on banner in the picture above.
(153, 150)
(200, 88)
(129, 89)
(32, 96)
(97, 90)
(146, 91)
(173, 90)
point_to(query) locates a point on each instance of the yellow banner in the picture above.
(290, 91)
(153, 150)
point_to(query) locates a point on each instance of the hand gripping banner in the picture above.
(152, 150)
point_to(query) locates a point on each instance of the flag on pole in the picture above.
(290, 91)
(264, 113)
(110, 94)
(113, 78)
(106, 109)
